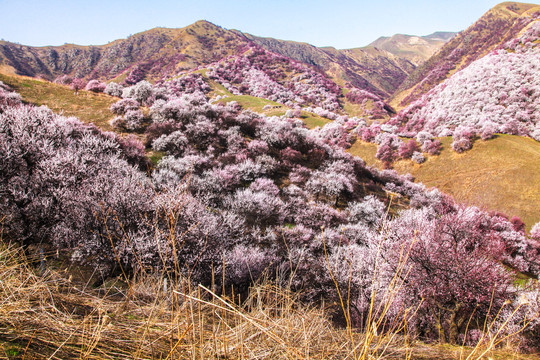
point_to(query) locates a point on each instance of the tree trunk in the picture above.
(438, 325)
(453, 324)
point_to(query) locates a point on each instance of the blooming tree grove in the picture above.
(240, 194)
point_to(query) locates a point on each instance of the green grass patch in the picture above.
(256, 104)
(202, 72)
(312, 120)
(12, 351)
(217, 88)
(500, 174)
(89, 107)
(359, 110)
(155, 156)
(353, 109)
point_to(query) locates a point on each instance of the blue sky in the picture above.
(338, 23)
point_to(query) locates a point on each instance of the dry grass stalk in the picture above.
(51, 318)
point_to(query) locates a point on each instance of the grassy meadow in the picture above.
(500, 174)
(87, 106)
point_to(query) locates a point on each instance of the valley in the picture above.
(210, 193)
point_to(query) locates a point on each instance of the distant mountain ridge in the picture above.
(163, 52)
(416, 49)
(155, 53)
(442, 35)
(400, 68)
(374, 70)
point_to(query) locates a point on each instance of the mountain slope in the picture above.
(416, 49)
(155, 53)
(498, 26)
(441, 35)
(490, 175)
(161, 53)
(497, 93)
(87, 106)
(374, 70)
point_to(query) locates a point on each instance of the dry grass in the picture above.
(89, 107)
(360, 110)
(500, 174)
(47, 316)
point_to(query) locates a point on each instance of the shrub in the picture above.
(142, 92)
(95, 86)
(63, 80)
(114, 89)
(121, 107)
(418, 157)
(406, 150)
(461, 145)
(174, 143)
(370, 211)
(134, 120)
(74, 182)
(78, 84)
(432, 147)
(461, 242)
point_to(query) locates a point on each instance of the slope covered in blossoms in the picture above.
(499, 25)
(375, 70)
(152, 54)
(489, 176)
(248, 196)
(162, 53)
(243, 195)
(499, 93)
(261, 73)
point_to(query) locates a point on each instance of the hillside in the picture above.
(381, 69)
(374, 70)
(497, 93)
(260, 201)
(416, 49)
(441, 35)
(226, 216)
(154, 54)
(68, 319)
(161, 52)
(490, 175)
(496, 27)
(94, 108)
(87, 106)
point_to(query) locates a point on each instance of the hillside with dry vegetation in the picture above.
(489, 176)
(50, 315)
(416, 49)
(152, 54)
(374, 70)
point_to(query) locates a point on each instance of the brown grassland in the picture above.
(47, 313)
(89, 107)
(501, 174)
